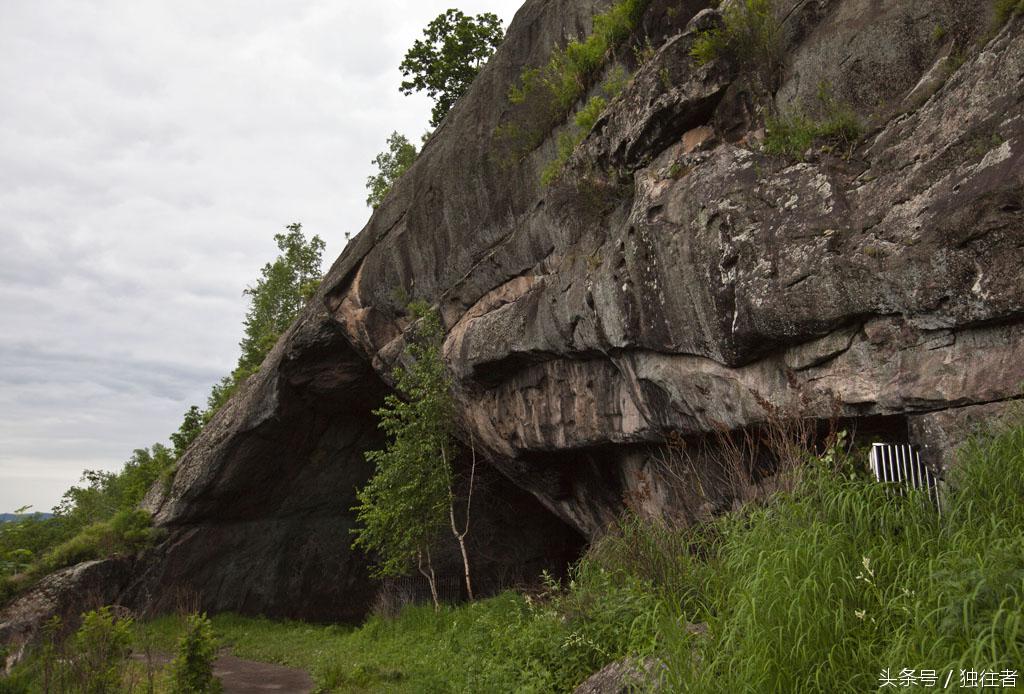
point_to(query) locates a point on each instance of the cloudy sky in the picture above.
(149, 151)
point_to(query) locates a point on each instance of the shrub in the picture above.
(390, 164)
(547, 93)
(99, 652)
(192, 669)
(751, 38)
(127, 532)
(793, 135)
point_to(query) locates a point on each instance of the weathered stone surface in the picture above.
(620, 677)
(702, 286)
(885, 285)
(940, 432)
(668, 96)
(64, 594)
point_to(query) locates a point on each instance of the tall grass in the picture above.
(817, 589)
(543, 96)
(826, 587)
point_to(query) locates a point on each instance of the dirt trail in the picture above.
(240, 676)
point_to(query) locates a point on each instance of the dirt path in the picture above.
(241, 676)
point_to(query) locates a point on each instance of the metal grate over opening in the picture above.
(901, 466)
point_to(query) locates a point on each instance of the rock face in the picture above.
(63, 594)
(677, 281)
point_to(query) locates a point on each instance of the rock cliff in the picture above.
(676, 281)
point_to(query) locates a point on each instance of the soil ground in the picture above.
(240, 676)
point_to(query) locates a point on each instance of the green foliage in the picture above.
(867, 580)
(583, 123)
(403, 507)
(192, 669)
(106, 493)
(92, 521)
(190, 427)
(1005, 9)
(751, 38)
(283, 288)
(390, 166)
(101, 648)
(791, 136)
(447, 60)
(94, 660)
(546, 94)
(126, 532)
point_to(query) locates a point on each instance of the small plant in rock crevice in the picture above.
(791, 135)
(544, 95)
(751, 39)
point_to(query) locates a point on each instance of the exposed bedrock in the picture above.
(676, 281)
(704, 279)
(676, 278)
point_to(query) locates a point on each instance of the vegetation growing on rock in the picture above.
(101, 517)
(405, 505)
(448, 58)
(870, 580)
(546, 94)
(391, 164)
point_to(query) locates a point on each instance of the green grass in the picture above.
(791, 136)
(751, 38)
(545, 95)
(1005, 9)
(565, 77)
(821, 590)
(583, 123)
(815, 590)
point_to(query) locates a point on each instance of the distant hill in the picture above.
(5, 517)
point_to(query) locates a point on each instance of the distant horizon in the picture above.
(150, 154)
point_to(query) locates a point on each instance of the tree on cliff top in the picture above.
(403, 508)
(275, 300)
(390, 166)
(445, 62)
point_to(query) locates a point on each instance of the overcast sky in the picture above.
(149, 151)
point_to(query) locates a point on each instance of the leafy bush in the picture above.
(751, 38)
(192, 669)
(548, 93)
(791, 136)
(390, 164)
(100, 651)
(127, 532)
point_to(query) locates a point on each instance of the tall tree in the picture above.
(391, 164)
(190, 427)
(275, 300)
(405, 505)
(280, 293)
(444, 63)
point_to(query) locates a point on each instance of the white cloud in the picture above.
(148, 153)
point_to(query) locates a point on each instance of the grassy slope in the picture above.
(817, 591)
